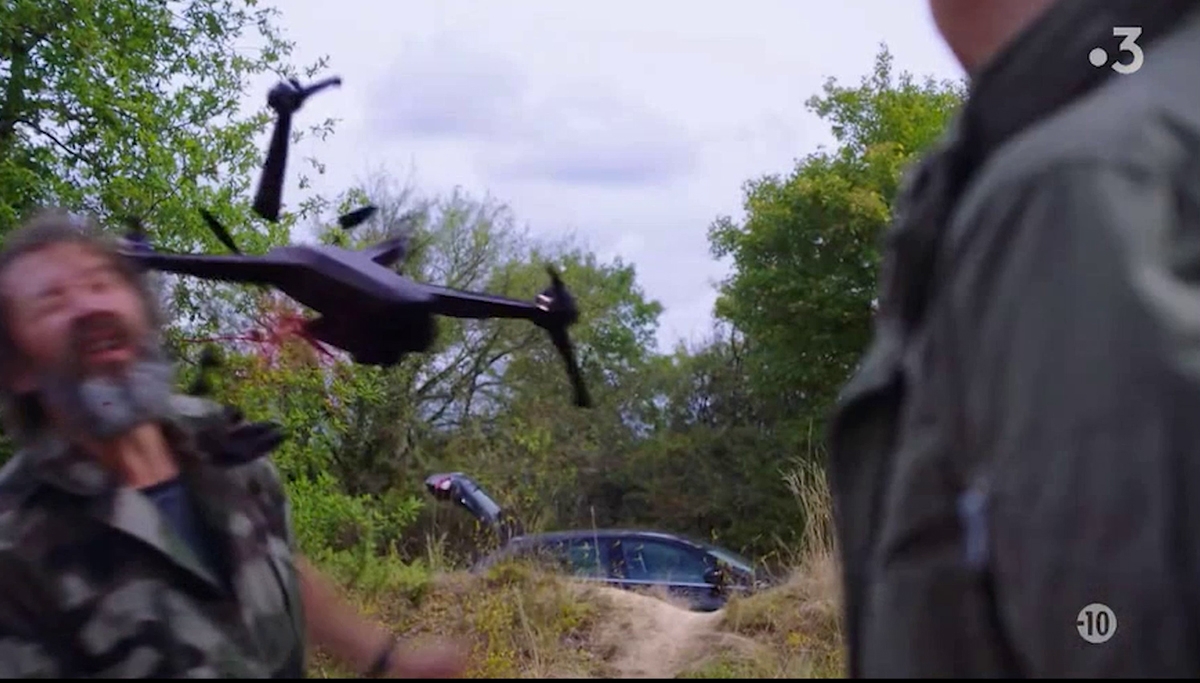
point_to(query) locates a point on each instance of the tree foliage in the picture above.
(806, 255)
(132, 107)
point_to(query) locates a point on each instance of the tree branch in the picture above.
(77, 156)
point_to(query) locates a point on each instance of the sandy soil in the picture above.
(653, 638)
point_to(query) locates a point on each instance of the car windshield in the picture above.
(730, 558)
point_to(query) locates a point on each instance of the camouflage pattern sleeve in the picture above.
(24, 657)
(205, 415)
(24, 651)
(94, 583)
(270, 551)
(278, 502)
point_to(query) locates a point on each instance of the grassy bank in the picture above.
(524, 623)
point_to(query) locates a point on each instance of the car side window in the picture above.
(577, 556)
(584, 558)
(650, 560)
(548, 555)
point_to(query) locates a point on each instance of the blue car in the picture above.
(702, 575)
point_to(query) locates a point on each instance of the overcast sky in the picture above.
(630, 124)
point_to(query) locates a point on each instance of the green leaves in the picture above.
(805, 258)
(118, 107)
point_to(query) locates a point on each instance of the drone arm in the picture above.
(460, 304)
(387, 252)
(457, 303)
(249, 270)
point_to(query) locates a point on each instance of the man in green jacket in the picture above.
(1016, 462)
(144, 534)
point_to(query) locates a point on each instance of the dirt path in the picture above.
(653, 638)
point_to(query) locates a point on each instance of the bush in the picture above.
(291, 390)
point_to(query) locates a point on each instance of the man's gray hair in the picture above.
(23, 414)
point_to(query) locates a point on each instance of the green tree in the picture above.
(131, 107)
(286, 382)
(712, 465)
(549, 460)
(805, 258)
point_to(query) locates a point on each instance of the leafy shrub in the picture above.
(290, 387)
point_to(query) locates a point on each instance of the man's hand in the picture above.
(338, 628)
(441, 659)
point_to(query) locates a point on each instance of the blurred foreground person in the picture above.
(142, 533)
(1016, 463)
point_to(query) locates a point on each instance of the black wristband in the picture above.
(382, 660)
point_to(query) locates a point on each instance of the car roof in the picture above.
(607, 533)
(724, 553)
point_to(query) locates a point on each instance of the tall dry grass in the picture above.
(792, 630)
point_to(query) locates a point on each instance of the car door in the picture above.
(680, 569)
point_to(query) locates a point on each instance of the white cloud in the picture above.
(443, 89)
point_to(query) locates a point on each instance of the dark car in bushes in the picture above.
(703, 575)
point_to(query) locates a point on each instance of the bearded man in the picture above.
(144, 534)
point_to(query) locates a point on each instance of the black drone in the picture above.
(364, 307)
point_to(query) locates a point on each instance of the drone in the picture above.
(364, 307)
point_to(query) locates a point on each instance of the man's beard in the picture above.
(106, 405)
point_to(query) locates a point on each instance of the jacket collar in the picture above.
(1044, 69)
(58, 465)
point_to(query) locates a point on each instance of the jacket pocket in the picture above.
(930, 610)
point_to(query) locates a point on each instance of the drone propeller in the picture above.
(356, 217)
(135, 236)
(347, 221)
(135, 232)
(137, 229)
(209, 361)
(558, 302)
(286, 98)
(220, 231)
(395, 247)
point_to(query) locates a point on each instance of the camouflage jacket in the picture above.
(95, 583)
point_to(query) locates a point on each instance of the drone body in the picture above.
(364, 307)
(367, 310)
